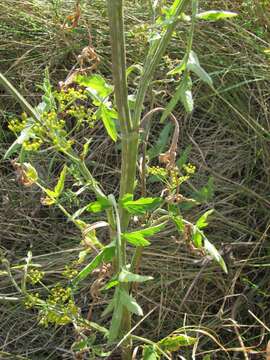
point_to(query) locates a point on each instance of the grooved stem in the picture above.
(129, 138)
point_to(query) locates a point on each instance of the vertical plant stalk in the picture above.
(130, 127)
(115, 12)
(128, 135)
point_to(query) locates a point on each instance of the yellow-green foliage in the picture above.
(72, 111)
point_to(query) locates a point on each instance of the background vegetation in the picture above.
(227, 138)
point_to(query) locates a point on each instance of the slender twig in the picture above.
(9, 298)
(146, 129)
(135, 264)
(153, 59)
(120, 259)
(23, 102)
(6, 264)
(25, 269)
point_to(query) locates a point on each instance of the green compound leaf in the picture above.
(105, 255)
(214, 15)
(130, 303)
(184, 94)
(138, 238)
(202, 222)
(175, 343)
(60, 184)
(125, 198)
(24, 136)
(197, 238)
(96, 85)
(179, 223)
(150, 353)
(126, 276)
(194, 66)
(122, 299)
(108, 117)
(140, 206)
(152, 230)
(99, 205)
(116, 318)
(30, 172)
(213, 252)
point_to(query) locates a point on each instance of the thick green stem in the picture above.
(129, 134)
(115, 12)
(130, 127)
(128, 171)
(129, 138)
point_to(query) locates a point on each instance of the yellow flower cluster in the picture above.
(17, 125)
(62, 144)
(70, 271)
(72, 110)
(60, 315)
(177, 180)
(172, 177)
(35, 276)
(69, 96)
(31, 300)
(158, 171)
(189, 168)
(82, 113)
(50, 127)
(60, 309)
(73, 102)
(32, 144)
(51, 122)
(59, 295)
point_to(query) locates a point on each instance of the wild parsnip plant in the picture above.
(82, 101)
